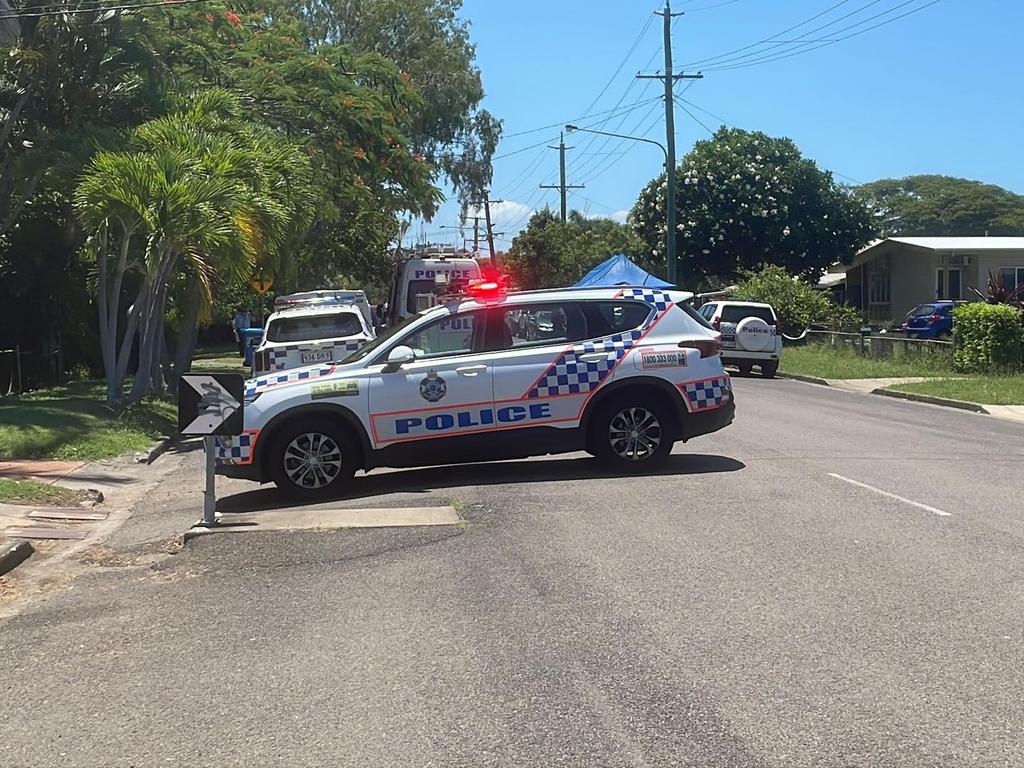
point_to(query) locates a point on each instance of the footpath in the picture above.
(881, 387)
(39, 531)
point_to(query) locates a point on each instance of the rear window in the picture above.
(605, 318)
(421, 296)
(922, 309)
(314, 327)
(733, 314)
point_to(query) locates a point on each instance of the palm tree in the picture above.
(200, 192)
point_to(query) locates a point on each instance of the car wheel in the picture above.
(631, 433)
(313, 460)
(768, 370)
(745, 368)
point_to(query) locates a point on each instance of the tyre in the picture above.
(631, 433)
(313, 459)
(768, 370)
(745, 368)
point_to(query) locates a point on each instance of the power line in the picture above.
(647, 26)
(524, 149)
(558, 124)
(778, 34)
(695, 118)
(97, 9)
(839, 40)
(801, 40)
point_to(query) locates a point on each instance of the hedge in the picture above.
(987, 337)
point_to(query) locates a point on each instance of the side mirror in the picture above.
(398, 357)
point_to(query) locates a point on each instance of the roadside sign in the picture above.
(210, 404)
(261, 282)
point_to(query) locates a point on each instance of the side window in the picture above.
(448, 335)
(708, 311)
(535, 325)
(605, 318)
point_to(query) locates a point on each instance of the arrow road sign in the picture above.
(210, 404)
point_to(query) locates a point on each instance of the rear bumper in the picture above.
(705, 422)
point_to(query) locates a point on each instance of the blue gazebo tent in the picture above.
(619, 270)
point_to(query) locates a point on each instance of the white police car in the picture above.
(317, 333)
(621, 372)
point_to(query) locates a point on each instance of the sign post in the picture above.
(210, 404)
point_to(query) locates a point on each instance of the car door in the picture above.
(540, 377)
(446, 391)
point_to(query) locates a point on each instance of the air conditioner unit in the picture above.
(958, 260)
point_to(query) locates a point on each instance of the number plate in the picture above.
(729, 343)
(322, 356)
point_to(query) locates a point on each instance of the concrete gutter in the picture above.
(807, 379)
(961, 404)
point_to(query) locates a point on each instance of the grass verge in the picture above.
(74, 423)
(988, 390)
(222, 358)
(26, 492)
(826, 362)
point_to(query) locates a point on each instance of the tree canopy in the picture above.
(550, 254)
(940, 206)
(745, 198)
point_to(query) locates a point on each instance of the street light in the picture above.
(670, 239)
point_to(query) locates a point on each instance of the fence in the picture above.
(22, 370)
(883, 345)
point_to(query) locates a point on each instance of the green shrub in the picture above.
(797, 304)
(987, 337)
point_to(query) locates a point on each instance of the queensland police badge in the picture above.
(433, 387)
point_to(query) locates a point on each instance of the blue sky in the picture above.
(938, 91)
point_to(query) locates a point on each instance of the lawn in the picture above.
(992, 390)
(221, 358)
(26, 492)
(72, 422)
(826, 362)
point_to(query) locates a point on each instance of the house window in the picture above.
(1011, 277)
(949, 283)
(878, 288)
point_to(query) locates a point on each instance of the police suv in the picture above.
(620, 372)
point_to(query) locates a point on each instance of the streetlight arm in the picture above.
(658, 144)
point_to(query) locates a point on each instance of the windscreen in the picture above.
(922, 309)
(314, 327)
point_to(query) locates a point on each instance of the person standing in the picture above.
(239, 323)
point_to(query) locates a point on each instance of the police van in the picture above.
(315, 332)
(413, 288)
(623, 373)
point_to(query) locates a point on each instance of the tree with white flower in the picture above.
(746, 199)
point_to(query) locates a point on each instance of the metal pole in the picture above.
(209, 495)
(670, 136)
(561, 173)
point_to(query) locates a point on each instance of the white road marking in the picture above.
(879, 491)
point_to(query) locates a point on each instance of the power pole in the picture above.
(562, 186)
(486, 204)
(670, 78)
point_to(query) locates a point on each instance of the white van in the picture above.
(415, 285)
(325, 332)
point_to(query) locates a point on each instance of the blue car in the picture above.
(930, 321)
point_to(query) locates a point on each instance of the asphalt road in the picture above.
(760, 602)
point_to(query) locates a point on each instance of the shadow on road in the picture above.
(422, 480)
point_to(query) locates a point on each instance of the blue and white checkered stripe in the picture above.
(704, 395)
(659, 299)
(277, 357)
(571, 376)
(235, 450)
(288, 377)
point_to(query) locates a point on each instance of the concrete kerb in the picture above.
(806, 379)
(156, 450)
(13, 555)
(961, 404)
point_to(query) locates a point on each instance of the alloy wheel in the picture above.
(635, 434)
(312, 460)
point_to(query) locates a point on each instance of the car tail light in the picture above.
(259, 362)
(716, 324)
(707, 347)
(935, 318)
